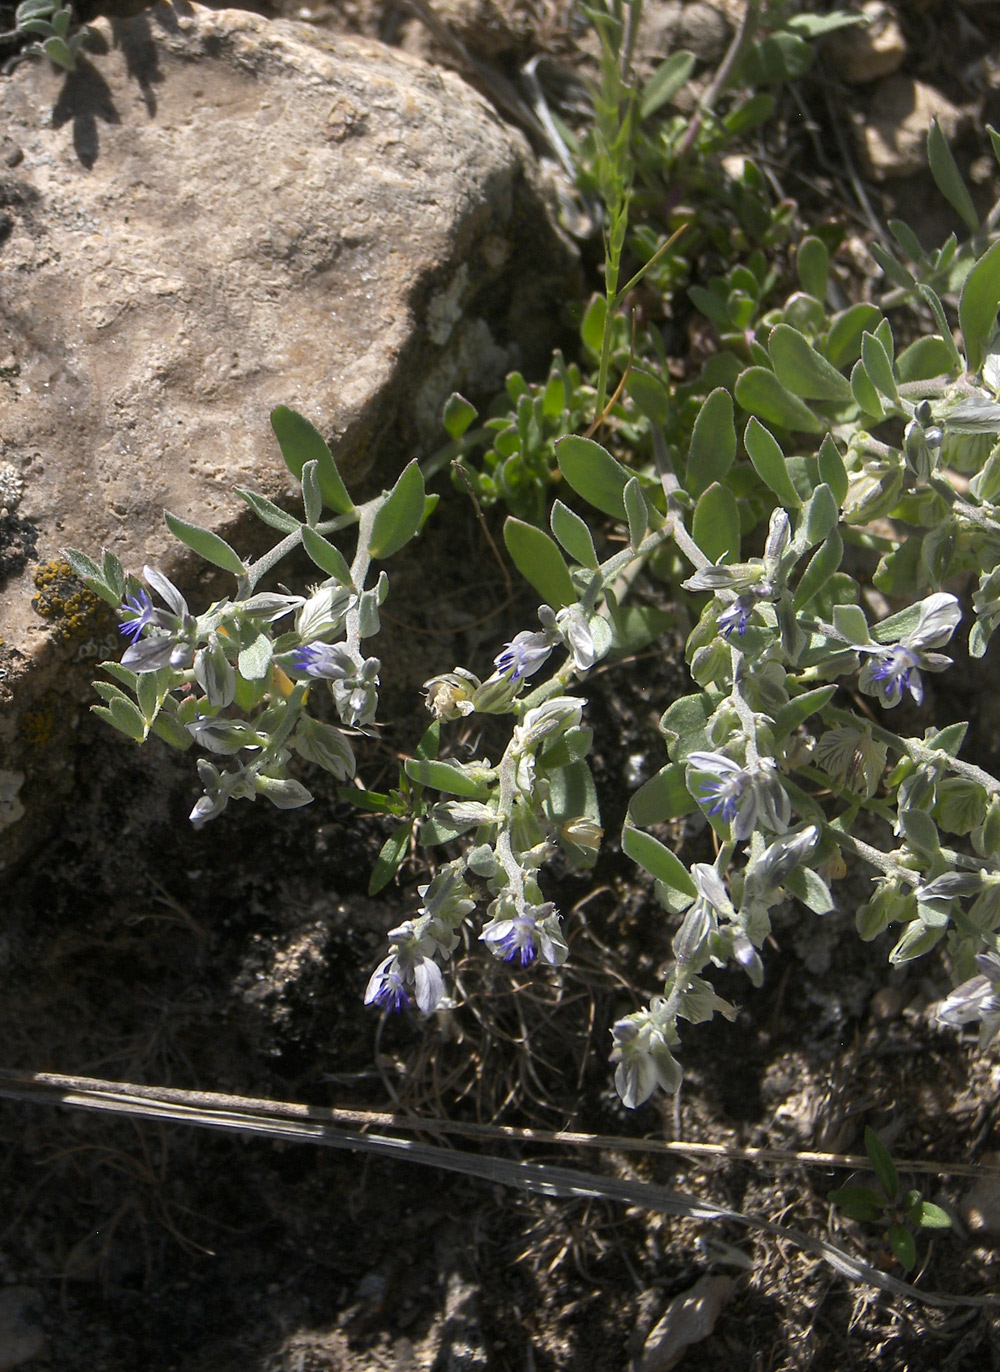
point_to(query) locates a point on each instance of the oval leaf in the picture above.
(813, 266)
(664, 796)
(977, 309)
(328, 558)
(445, 776)
(716, 524)
(713, 442)
(802, 369)
(268, 512)
(593, 473)
(400, 515)
(301, 442)
(877, 365)
(765, 453)
(948, 178)
(843, 342)
(655, 858)
(574, 535)
(539, 561)
(206, 544)
(759, 391)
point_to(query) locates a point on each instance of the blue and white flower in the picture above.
(892, 671)
(171, 642)
(524, 654)
(744, 797)
(977, 999)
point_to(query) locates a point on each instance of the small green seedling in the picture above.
(51, 22)
(899, 1213)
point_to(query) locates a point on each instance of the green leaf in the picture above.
(948, 178)
(445, 776)
(882, 1163)
(778, 58)
(657, 859)
(749, 114)
(822, 565)
(994, 140)
(56, 50)
(931, 299)
(857, 1202)
(34, 9)
(269, 513)
(803, 370)
(832, 469)
(811, 889)
(124, 716)
(637, 626)
(813, 266)
(818, 25)
(390, 859)
(920, 832)
(925, 358)
(592, 328)
(895, 271)
(716, 524)
(301, 442)
(665, 82)
(430, 742)
(651, 396)
(572, 794)
(683, 725)
(843, 342)
(713, 442)
(877, 365)
(539, 561)
(664, 796)
(930, 1216)
(92, 576)
(400, 515)
(312, 499)
(798, 710)
(819, 517)
(206, 544)
(903, 1244)
(977, 308)
(768, 460)
(759, 391)
(637, 512)
(328, 558)
(593, 473)
(710, 305)
(254, 661)
(865, 392)
(850, 621)
(574, 535)
(458, 414)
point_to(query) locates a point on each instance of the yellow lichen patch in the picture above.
(75, 611)
(35, 727)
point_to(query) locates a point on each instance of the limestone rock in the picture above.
(864, 53)
(670, 24)
(894, 137)
(214, 215)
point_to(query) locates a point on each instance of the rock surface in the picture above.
(894, 137)
(864, 53)
(214, 215)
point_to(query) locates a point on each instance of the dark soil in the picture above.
(235, 959)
